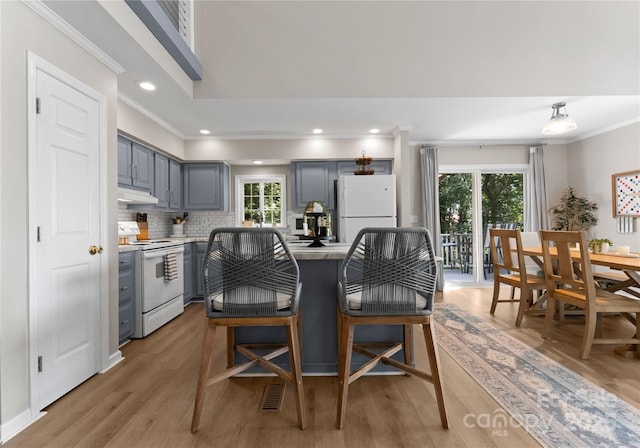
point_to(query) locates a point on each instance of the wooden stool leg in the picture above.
(296, 369)
(434, 361)
(203, 373)
(407, 347)
(344, 367)
(231, 346)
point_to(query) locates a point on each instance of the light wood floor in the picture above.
(147, 400)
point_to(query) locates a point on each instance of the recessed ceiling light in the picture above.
(146, 85)
(374, 131)
(257, 162)
(317, 131)
(205, 131)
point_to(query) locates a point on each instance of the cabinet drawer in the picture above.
(126, 260)
(126, 320)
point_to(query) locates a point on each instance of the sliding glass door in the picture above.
(473, 200)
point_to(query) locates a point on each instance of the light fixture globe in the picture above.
(560, 122)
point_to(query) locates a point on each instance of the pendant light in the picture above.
(560, 122)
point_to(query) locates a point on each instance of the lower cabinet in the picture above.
(201, 249)
(188, 272)
(126, 295)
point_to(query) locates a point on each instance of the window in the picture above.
(261, 199)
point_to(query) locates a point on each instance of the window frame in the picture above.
(242, 179)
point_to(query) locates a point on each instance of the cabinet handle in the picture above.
(136, 171)
(124, 322)
(124, 288)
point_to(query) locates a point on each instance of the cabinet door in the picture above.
(175, 184)
(206, 186)
(124, 161)
(200, 253)
(142, 161)
(161, 180)
(313, 181)
(126, 294)
(188, 274)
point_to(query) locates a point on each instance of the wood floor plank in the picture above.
(147, 400)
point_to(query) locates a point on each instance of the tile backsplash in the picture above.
(199, 223)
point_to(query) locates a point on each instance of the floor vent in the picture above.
(273, 397)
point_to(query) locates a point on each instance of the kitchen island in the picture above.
(319, 267)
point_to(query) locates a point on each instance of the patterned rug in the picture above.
(556, 406)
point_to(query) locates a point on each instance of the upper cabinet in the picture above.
(314, 180)
(135, 165)
(168, 182)
(206, 186)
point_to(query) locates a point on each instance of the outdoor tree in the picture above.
(502, 198)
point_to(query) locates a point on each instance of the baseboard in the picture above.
(114, 359)
(18, 424)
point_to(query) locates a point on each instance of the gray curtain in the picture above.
(431, 201)
(536, 215)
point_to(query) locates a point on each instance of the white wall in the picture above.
(591, 163)
(22, 30)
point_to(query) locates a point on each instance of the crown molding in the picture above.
(151, 116)
(62, 25)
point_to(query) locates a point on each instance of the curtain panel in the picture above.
(431, 201)
(536, 216)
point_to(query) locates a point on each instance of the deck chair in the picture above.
(387, 278)
(510, 268)
(569, 280)
(250, 278)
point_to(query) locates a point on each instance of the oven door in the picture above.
(155, 289)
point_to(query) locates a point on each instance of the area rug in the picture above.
(556, 406)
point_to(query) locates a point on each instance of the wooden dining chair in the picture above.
(250, 278)
(569, 280)
(510, 268)
(387, 278)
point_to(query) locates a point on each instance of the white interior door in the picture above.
(68, 219)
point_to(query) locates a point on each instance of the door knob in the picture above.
(95, 249)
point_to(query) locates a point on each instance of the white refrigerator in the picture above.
(365, 201)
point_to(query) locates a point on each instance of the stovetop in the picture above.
(155, 244)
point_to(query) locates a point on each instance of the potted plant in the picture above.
(600, 245)
(573, 212)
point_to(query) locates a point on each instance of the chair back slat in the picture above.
(506, 252)
(389, 267)
(248, 271)
(567, 266)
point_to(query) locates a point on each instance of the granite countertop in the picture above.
(299, 249)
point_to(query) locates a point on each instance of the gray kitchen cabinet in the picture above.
(126, 295)
(200, 252)
(188, 272)
(206, 186)
(313, 181)
(380, 166)
(168, 182)
(135, 165)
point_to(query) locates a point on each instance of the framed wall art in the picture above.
(625, 188)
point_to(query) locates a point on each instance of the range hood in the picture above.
(130, 196)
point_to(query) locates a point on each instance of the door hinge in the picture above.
(40, 363)
(38, 234)
(37, 105)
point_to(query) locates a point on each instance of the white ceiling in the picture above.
(447, 72)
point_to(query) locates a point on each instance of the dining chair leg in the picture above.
(345, 369)
(589, 333)
(434, 362)
(525, 301)
(496, 294)
(203, 373)
(637, 335)
(293, 330)
(548, 317)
